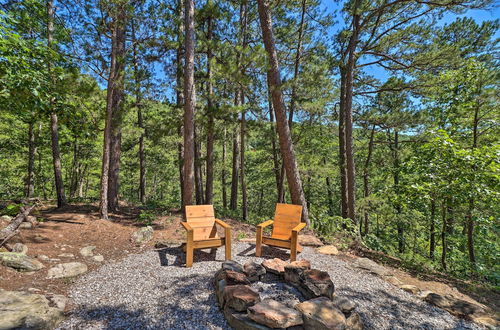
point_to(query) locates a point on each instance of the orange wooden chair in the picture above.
(201, 230)
(286, 227)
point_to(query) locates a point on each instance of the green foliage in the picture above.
(11, 210)
(146, 217)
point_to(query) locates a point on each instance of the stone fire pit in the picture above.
(281, 295)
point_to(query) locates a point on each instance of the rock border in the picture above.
(244, 309)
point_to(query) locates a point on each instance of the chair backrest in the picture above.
(286, 217)
(202, 219)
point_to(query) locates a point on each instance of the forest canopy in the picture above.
(380, 117)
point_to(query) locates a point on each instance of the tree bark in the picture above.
(118, 100)
(198, 173)
(114, 100)
(366, 179)
(443, 237)
(30, 179)
(180, 98)
(234, 175)
(432, 230)
(54, 128)
(10, 231)
(349, 152)
(138, 104)
(224, 172)
(209, 189)
(244, 200)
(190, 103)
(342, 156)
(274, 150)
(286, 144)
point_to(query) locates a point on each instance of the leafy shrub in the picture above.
(11, 210)
(146, 217)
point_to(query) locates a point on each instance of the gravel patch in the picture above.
(153, 290)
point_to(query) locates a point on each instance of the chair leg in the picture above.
(293, 247)
(227, 243)
(258, 242)
(189, 250)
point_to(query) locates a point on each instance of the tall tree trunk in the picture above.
(432, 230)
(209, 189)
(198, 173)
(286, 144)
(276, 167)
(243, 42)
(224, 172)
(30, 179)
(366, 179)
(470, 210)
(244, 201)
(114, 110)
(190, 103)
(293, 98)
(342, 156)
(443, 237)
(180, 98)
(234, 175)
(56, 156)
(349, 152)
(138, 104)
(118, 108)
(396, 170)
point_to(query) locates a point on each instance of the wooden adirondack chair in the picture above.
(201, 230)
(286, 227)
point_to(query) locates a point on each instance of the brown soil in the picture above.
(69, 229)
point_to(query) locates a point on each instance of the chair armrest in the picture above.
(299, 227)
(186, 226)
(266, 223)
(222, 224)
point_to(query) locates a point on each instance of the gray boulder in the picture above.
(23, 310)
(143, 235)
(69, 269)
(20, 262)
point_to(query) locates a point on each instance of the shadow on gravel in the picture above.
(179, 256)
(398, 313)
(187, 302)
(267, 252)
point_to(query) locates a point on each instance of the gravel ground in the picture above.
(153, 290)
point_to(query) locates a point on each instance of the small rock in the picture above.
(274, 314)
(69, 269)
(354, 322)
(315, 283)
(240, 297)
(20, 262)
(164, 243)
(66, 255)
(294, 271)
(254, 271)
(321, 314)
(371, 266)
(26, 225)
(98, 258)
(58, 300)
(20, 248)
(328, 249)
(42, 257)
(143, 235)
(23, 310)
(436, 299)
(87, 251)
(34, 290)
(231, 277)
(486, 320)
(310, 240)
(241, 321)
(410, 288)
(39, 238)
(275, 266)
(232, 265)
(247, 240)
(344, 304)
(7, 218)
